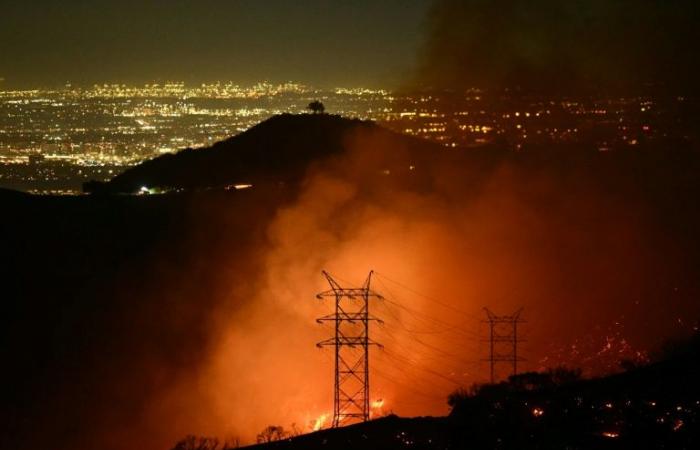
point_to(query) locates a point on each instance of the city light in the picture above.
(53, 140)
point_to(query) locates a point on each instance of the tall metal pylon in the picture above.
(351, 319)
(503, 340)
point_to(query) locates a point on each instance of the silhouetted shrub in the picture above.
(271, 433)
(197, 443)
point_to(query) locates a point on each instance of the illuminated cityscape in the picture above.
(53, 140)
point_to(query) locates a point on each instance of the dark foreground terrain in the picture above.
(651, 407)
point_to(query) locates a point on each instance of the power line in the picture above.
(426, 318)
(434, 350)
(406, 384)
(430, 298)
(403, 360)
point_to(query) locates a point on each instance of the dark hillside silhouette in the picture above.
(276, 150)
(657, 406)
(280, 150)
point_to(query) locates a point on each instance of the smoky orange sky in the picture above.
(588, 266)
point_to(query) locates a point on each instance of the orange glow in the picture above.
(678, 424)
(446, 253)
(611, 434)
(442, 247)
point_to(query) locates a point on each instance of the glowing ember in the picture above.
(598, 353)
(611, 434)
(678, 425)
(378, 403)
(537, 412)
(238, 186)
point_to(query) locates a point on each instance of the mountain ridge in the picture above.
(278, 149)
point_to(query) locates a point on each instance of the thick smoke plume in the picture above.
(562, 46)
(211, 330)
(577, 258)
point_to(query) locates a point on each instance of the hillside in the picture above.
(278, 150)
(281, 150)
(654, 406)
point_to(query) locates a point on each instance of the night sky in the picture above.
(540, 45)
(319, 42)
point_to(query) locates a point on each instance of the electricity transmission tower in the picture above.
(503, 340)
(351, 320)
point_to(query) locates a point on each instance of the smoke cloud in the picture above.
(586, 261)
(565, 47)
(212, 331)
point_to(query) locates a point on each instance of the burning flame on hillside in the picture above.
(320, 422)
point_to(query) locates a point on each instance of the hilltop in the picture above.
(278, 149)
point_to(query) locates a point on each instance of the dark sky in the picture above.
(327, 43)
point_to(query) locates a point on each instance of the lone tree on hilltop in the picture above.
(316, 107)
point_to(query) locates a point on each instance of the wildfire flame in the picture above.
(376, 408)
(320, 422)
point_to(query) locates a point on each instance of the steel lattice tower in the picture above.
(503, 340)
(351, 320)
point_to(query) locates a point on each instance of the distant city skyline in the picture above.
(52, 140)
(262, 84)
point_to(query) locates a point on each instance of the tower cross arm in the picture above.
(350, 317)
(350, 341)
(349, 293)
